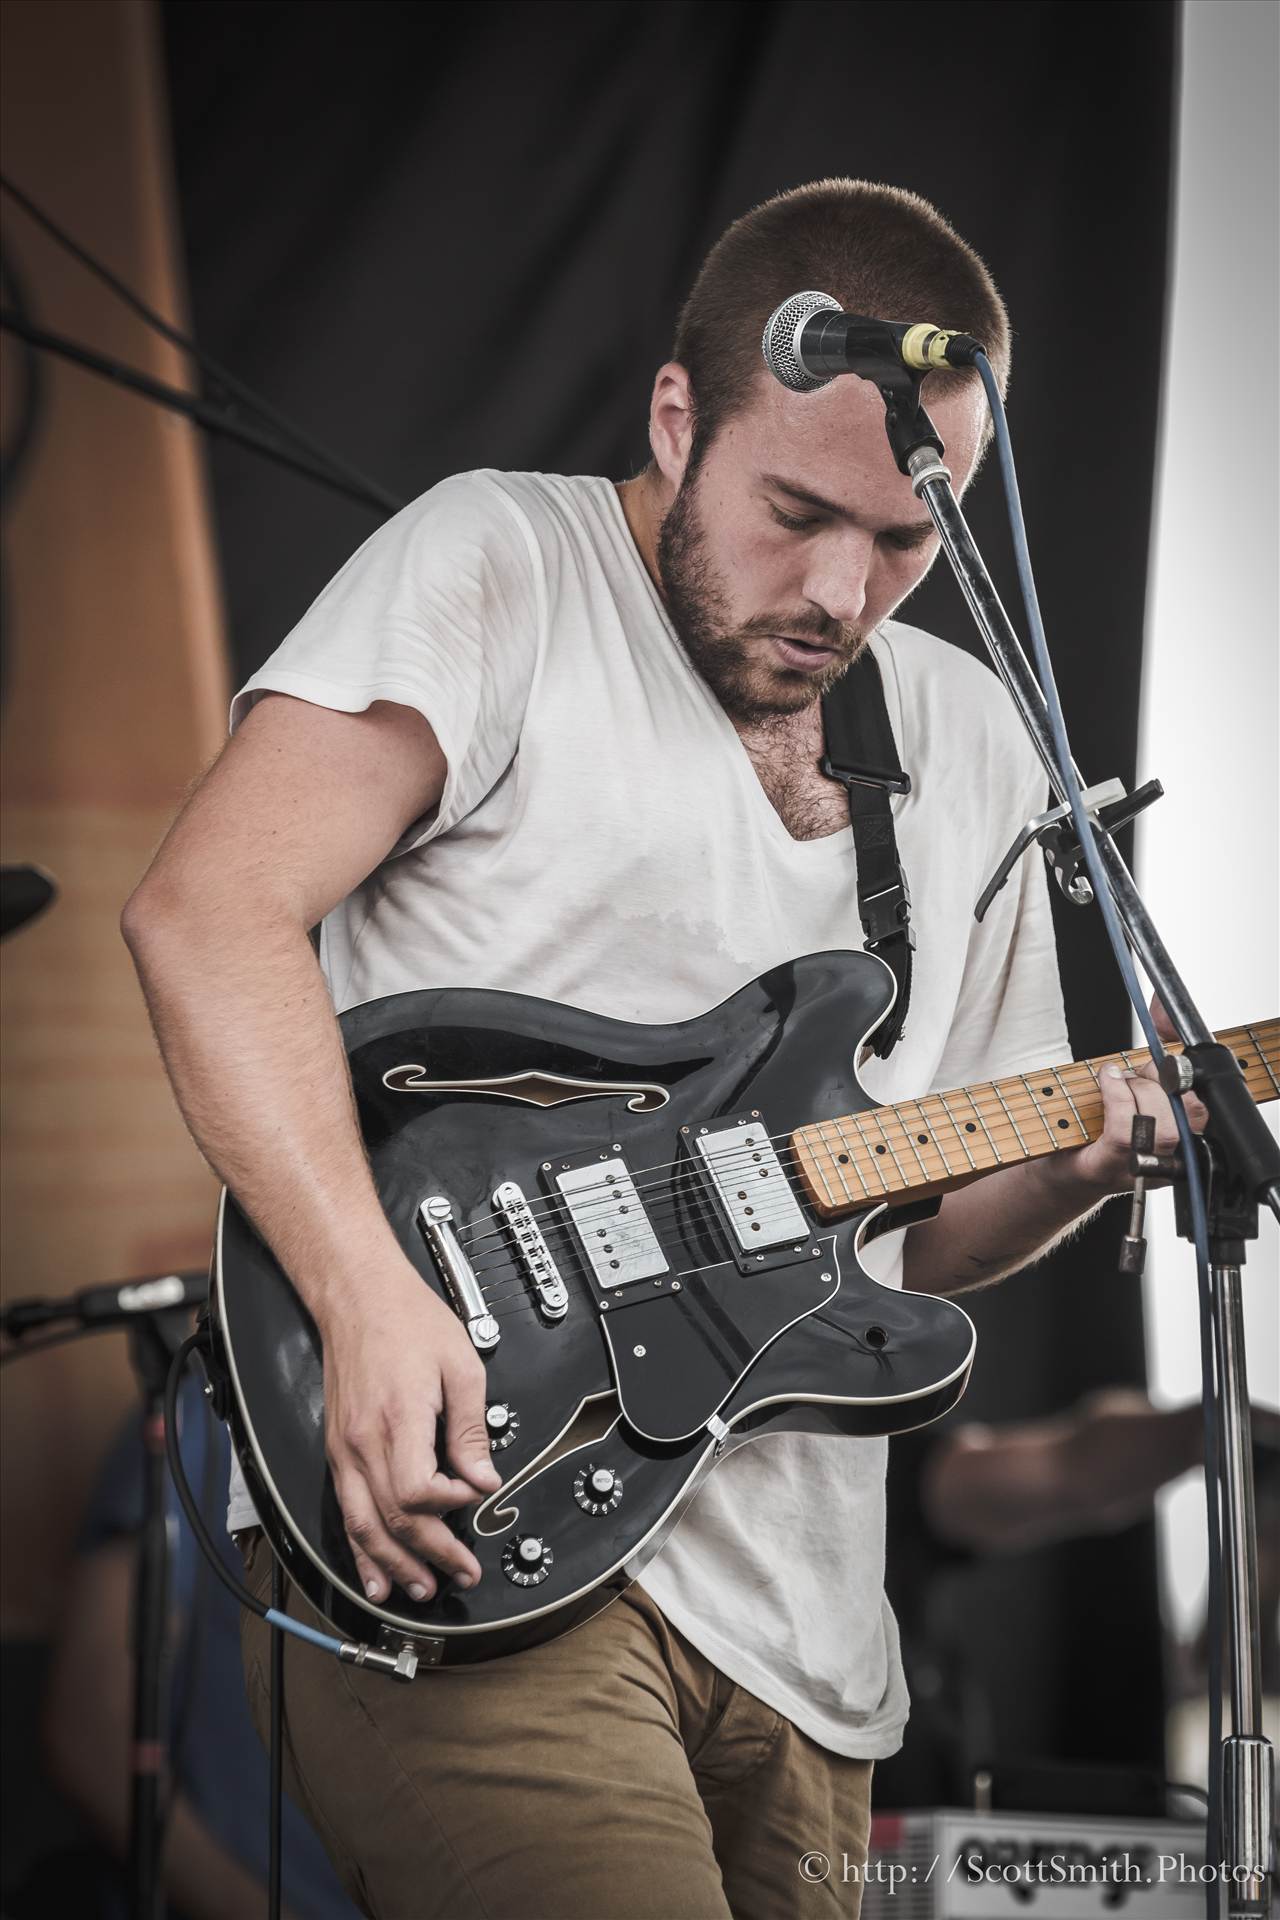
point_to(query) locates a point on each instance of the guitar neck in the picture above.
(920, 1148)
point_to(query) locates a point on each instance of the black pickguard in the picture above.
(800, 1339)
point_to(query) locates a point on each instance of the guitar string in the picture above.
(689, 1186)
(691, 1181)
(675, 1194)
(881, 1168)
(990, 1122)
(729, 1159)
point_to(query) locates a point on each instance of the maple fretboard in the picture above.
(918, 1148)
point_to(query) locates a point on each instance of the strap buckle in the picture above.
(887, 915)
(883, 777)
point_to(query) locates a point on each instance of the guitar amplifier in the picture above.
(946, 1864)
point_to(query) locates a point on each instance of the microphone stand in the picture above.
(155, 1333)
(153, 1340)
(1244, 1160)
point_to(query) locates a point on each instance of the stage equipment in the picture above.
(808, 341)
(651, 1234)
(24, 892)
(156, 1312)
(110, 1306)
(950, 1864)
(1221, 1180)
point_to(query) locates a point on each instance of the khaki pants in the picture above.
(612, 1774)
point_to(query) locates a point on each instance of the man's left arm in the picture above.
(1010, 1219)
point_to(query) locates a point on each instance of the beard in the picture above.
(729, 657)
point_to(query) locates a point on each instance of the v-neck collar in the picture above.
(825, 846)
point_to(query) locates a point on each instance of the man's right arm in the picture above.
(302, 804)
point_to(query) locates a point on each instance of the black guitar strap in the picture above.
(861, 753)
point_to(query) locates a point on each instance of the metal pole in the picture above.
(1247, 1755)
(1247, 1777)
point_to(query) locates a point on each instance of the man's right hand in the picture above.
(396, 1359)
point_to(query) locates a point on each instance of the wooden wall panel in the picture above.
(115, 698)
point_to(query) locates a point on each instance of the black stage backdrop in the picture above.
(452, 237)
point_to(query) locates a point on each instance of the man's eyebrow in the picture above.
(906, 530)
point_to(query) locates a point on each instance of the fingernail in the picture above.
(1115, 1072)
(417, 1591)
(485, 1470)
(372, 1588)
(464, 1580)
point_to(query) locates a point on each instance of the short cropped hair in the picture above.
(878, 250)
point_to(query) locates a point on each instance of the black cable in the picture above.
(195, 1519)
(214, 418)
(277, 1745)
(198, 1613)
(218, 374)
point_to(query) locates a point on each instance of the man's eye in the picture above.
(790, 520)
(905, 542)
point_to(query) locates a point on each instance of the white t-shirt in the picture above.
(603, 839)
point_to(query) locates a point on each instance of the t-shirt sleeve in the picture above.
(439, 611)
(1010, 1014)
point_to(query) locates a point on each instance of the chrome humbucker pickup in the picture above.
(534, 1254)
(755, 1193)
(612, 1225)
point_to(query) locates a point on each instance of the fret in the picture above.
(817, 1165)
(931, 1140)
(1266, 1064)
(839, 1162)
(1054, 1142)
(910, 1139)
(959, 1136)
(1008, 1115)
(976, 1110)
(871, 1155)
(872, 1120)
(1066, 1094)
(853, 1159)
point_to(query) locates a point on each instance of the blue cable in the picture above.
(1195, 1187)
(302, 1631)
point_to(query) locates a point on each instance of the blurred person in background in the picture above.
(971, 1491)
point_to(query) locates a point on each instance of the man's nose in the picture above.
(837, 578)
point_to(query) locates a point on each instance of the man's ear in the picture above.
(671, 421)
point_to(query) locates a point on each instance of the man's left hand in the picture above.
(1104, 1163)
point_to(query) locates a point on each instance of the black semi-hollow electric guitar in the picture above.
(651, 1234)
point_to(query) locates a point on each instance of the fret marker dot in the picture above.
(1047, 1091)
(880, 1149)
(1064, 1123)
(923, 1139)
(969, 1127)
(843, 1158)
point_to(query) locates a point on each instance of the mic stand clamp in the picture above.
(1110, 806)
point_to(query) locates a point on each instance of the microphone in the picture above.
(808, 341)
(108, 1306)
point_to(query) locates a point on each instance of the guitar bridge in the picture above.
(532, 1251)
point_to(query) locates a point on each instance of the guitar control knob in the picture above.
(527, 1560)
(503, 1424)
(597, 1489)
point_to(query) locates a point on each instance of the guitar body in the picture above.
(633, 1331)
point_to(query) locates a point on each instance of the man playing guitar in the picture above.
(562, 737)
